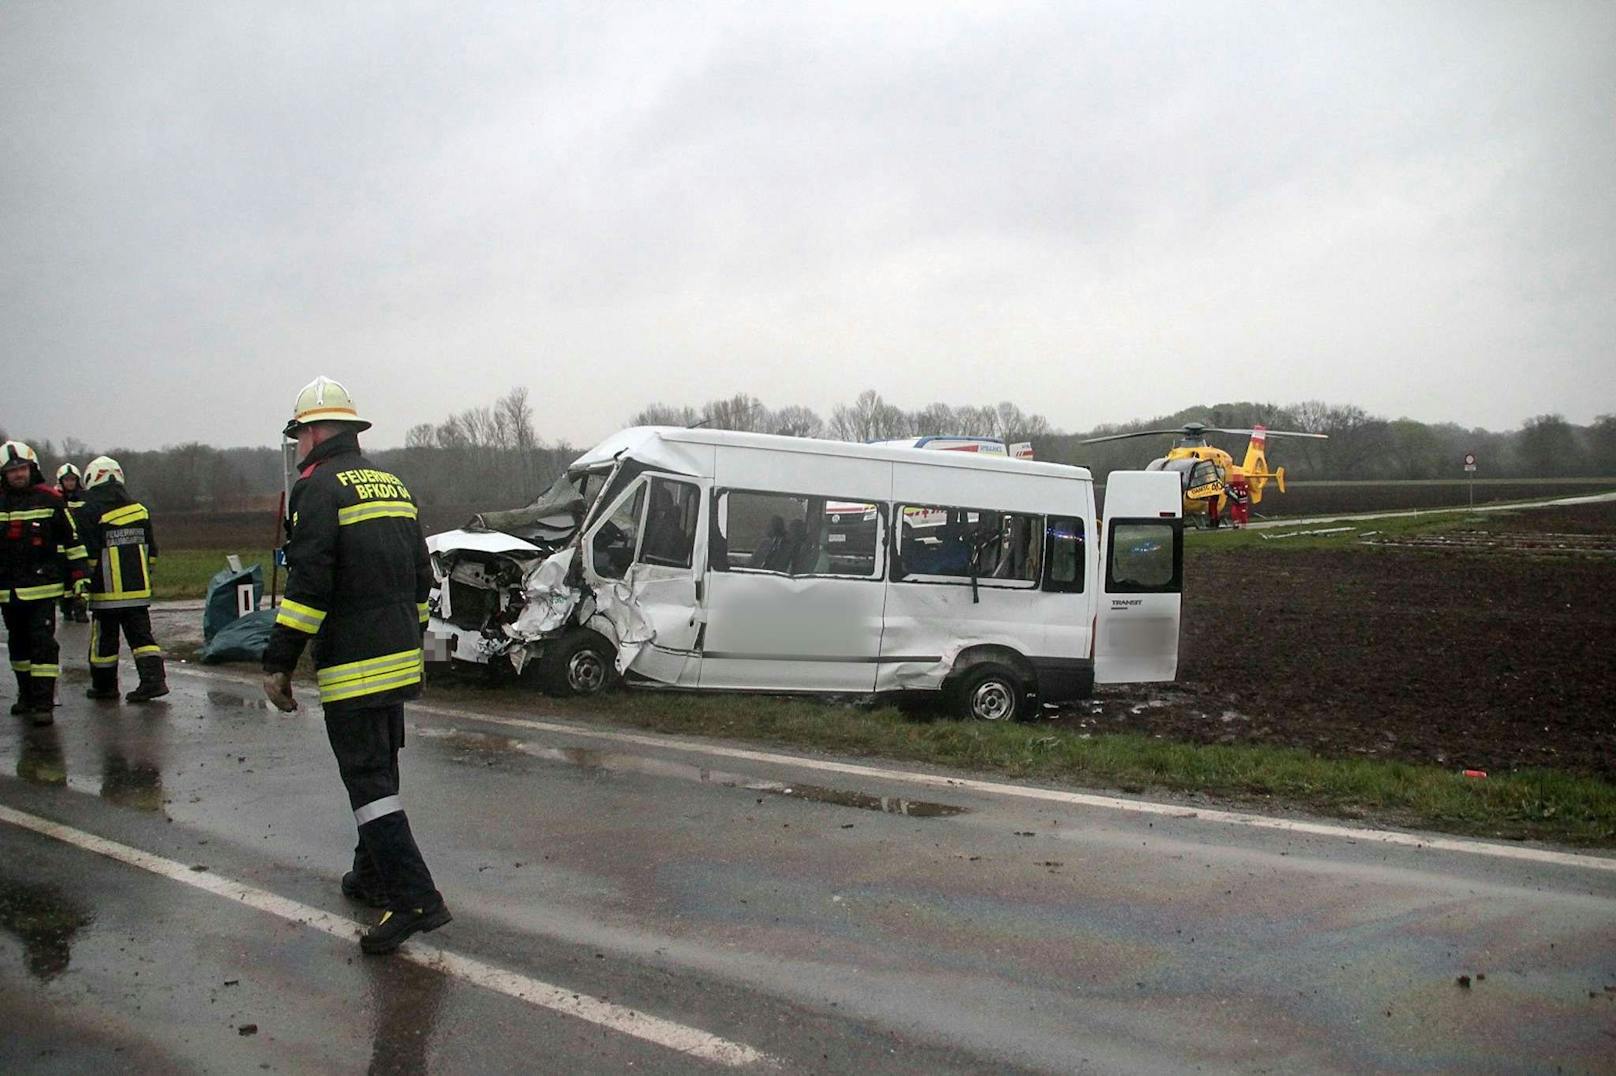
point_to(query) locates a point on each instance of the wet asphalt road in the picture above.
(799, 913)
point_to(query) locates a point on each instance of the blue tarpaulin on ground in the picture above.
(243, 639)
(220, 608)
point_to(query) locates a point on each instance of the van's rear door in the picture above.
(1141, 578)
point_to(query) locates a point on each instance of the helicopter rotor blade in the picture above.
(1136, 433)
(1275, 433)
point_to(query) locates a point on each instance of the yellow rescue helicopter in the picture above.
(1214, 488)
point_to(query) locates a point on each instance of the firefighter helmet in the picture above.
(324, 400)
(68, 469)
(103, 469)
(15, 454)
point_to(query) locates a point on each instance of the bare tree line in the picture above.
(492, 457)
(868, 418)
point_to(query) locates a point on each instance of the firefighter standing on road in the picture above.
(70, 485)
(40, 560)
(117, 532)
(357, 585)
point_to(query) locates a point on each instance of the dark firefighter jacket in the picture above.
(117, 533)
(41, 557)
(358, 582)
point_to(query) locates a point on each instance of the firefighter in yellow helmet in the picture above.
(357, 584)
(41, 559)
(70, 487)
(117, 532)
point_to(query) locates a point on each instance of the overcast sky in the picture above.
(1098, 211)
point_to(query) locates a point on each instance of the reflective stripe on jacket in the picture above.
(41, 556)
(358, 577)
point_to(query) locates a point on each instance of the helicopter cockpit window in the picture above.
(1205, 473)
(1183, 467)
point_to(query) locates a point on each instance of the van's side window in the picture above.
(938, 542)
(670, 523)
(612, 549)
(1063, 554)
(1010, 548)
(796, 535)
(1145, 556)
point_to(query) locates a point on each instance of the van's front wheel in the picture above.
(990, 693)
(579, 663)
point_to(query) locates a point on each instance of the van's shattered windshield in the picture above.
(553, 517)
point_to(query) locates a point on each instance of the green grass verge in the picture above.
(1538, 804)
(185, 573)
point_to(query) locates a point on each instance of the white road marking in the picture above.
(665, 1033)
(1030, 792)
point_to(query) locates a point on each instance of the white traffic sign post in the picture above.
(1470, 469)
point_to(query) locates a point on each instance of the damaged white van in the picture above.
(691, 558)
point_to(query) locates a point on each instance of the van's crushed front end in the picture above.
(497, 590)
(509, 589)
(479, 594)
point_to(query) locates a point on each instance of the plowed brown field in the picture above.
(1467, 660)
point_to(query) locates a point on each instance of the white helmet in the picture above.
(68, 469)
(103, 469)
(324, 400)
(16, 454)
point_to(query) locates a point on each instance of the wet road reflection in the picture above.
(406, 999)
(136, 784)
(131, 751)
(39, 757)
(487, 747)
(43, 920)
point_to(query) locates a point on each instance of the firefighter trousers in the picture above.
(366, 743)
(31, 635)
(135, 624)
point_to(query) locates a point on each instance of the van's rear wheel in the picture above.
(990, 693)
(579, 663)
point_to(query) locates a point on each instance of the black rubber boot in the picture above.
(153, 680)
(394, 927)
(25, 694)
(103, 682)
(44, 701)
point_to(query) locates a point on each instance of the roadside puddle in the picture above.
(483, 747)
(44, 920)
